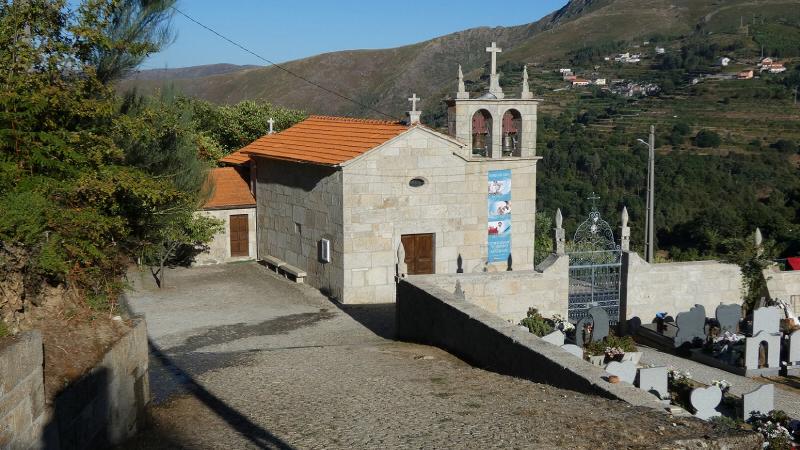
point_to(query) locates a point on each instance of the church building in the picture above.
(350, 204)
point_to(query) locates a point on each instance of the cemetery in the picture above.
(598, 321)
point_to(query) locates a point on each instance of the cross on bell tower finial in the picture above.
(494, 78)
(414, 115)
(593, 197)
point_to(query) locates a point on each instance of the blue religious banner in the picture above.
(499, 215)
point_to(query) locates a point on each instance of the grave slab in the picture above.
(626, 370)
(729, 317)
(705, 402)
(691, 325)
(762, 400)
(654, 380)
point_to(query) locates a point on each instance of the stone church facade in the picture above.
(342, 199)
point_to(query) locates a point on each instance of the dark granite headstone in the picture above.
(691, 325)
(729, 317)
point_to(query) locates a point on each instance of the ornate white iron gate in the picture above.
(595, 262)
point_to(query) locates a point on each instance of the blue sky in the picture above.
(287, 30)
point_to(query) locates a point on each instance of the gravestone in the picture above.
(626, 370)
(598, 318)
(794, 347)
(762, 400)
(573, 349)
(459, 292)
(654, 380)
(751, 348)
(555, 338)
(766, 319)
(691, 325)
(705, 401)
(729, 317)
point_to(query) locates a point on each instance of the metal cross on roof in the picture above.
(494, 50)
(414, 99)
(593, 197)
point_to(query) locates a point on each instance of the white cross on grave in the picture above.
(271, 123)
(414, 99)
(494, 50)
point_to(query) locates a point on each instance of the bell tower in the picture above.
(494, 126)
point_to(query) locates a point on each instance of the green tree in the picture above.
(707, 139)
(543, 244)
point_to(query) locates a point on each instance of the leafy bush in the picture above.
(785, 146)
(601, 347)
(707, 139)
(537, 324)
(3, 329)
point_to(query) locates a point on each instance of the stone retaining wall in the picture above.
(101, 409)
(647, 289)
(784, 286)
(22, 407)
(429, 315)
(509, 295)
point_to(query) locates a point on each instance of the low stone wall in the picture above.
(22, 392)
(509, 295)
(647, 289)
(430, 315)
(101, 409)
(784, 286)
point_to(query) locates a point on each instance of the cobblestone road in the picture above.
(243, 359)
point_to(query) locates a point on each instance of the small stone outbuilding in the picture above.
(231, 201)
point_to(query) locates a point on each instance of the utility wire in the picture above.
(290, 72)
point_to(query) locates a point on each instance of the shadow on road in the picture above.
(378, 318)
(260, 437)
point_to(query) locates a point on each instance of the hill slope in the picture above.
(383, 79)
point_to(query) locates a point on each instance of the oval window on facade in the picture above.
(416, 182)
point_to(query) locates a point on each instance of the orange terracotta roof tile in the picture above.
(236, 158)
(230, 190)
(325, 140)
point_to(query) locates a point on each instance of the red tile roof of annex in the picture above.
(325, 140)
(230, 190)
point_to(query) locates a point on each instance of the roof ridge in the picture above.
(355, 120)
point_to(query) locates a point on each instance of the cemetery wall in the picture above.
(784, 285)
(431, 315)
(380, 206)
(647, 289)
(509, 295)
(219, 249)
(298, 205)
(103, 408)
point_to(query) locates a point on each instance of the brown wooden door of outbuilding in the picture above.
(419, 250)
(240, 234)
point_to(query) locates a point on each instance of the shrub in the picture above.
(785, 146)
(537, 324)
(707, 139)
(3, 329)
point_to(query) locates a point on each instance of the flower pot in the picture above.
(599, 360)
(634, 357)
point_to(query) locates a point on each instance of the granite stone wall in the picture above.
(430, 315)
(103, 408)
(380, 207)
(298, 205)
(219, 250)
(647, 289)
(22, 409)
(784, 286)
(509, 295)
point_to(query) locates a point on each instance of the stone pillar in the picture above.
(625, 232)
(559, 239)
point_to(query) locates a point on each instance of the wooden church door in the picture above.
(419, 250)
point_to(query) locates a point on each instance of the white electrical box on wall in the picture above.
(325, 250)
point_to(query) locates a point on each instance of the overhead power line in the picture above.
(290, 72)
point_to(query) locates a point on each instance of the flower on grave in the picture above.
(562, 324)
(723, 385)
(614, 352)
(677, 375)
(728, 337)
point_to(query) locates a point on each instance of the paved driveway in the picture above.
(241, 358)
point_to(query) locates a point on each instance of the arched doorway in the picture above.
(482, 134)
(512, 133)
